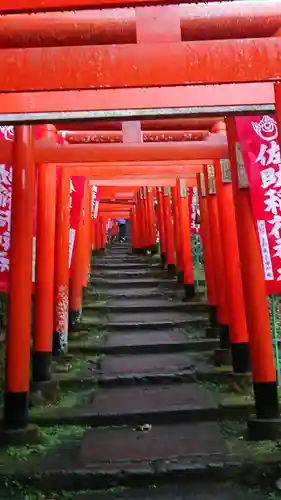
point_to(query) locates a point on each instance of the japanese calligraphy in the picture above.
(193, 208)
(268, 161)
(5, 215)
(267, 264)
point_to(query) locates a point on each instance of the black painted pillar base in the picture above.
(266, 399)
(73, 320)
(171, 270)
(222, 357)
(224, 337)
(267, 423)
(16, 406)
(163, 260)
(212, 332)
(180, 275)
(240, 357)
(189, 291)
(213, 318)
(57, 347)
(41, 366)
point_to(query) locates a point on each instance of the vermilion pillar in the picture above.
(177, 235)
(257, 315)
(147, 226)
(185, 240)
(103, 233)
(207, 250)
(217, 256)
(98, 234)
(169, 236)
(93, 235)
(20, 282)
(87, 235)
(137, 226)
(151, 216)
(160, 215)
(142, 222)
(142, 218)
(232, 267)
(146, 219)
(134, 229)
(45, 254)
(77, 276)
(61, 278)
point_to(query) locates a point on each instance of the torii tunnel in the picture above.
(121, 114)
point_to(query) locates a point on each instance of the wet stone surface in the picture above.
(153, 398)
(154, 317)
(161, 442)
(145, 338)
(150, 363)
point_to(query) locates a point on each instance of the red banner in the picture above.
(7, 133)
(192, 208)
(258, 138)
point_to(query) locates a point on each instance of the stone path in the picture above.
(146, 338)
(149, 419)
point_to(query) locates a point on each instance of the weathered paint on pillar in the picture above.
(45, 258)
(20, 282)
(256, 307)
(61, 278)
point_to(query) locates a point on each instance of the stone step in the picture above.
(143, 305)
(124, 266)
(143, 342)
(147, 364)
(204, 490)
(133, 283)
(157, 404)
(125, 293)
(123, 447)
(129, 273)
(192, 321)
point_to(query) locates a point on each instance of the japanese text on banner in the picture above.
(193, 209)
(261, 154)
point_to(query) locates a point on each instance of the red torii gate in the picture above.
(148, 63)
